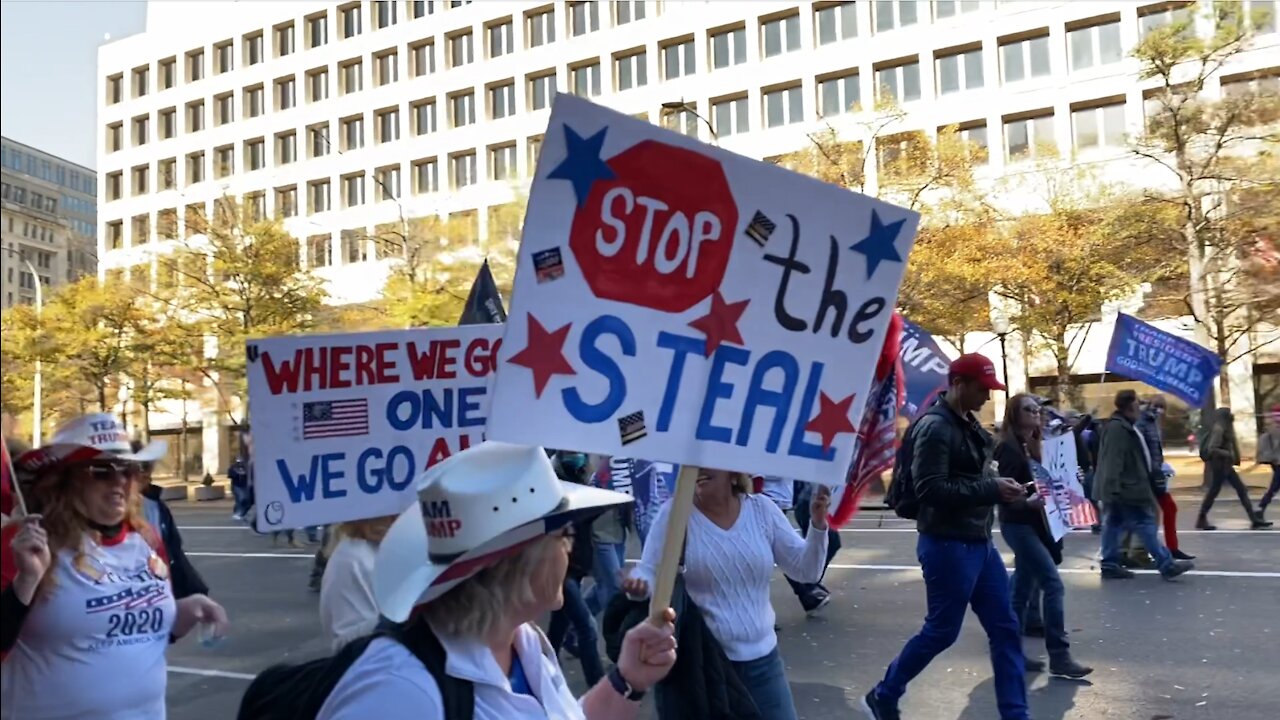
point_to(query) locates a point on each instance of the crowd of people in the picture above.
(95, 577)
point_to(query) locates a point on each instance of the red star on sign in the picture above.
(832, 419)
(720, 324)
(544, 354)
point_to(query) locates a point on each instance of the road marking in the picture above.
(1076, 571)
(210, 673)
(214, 527)
(307, 556)
(904, 529)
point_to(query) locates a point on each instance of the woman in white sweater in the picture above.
(733, 542)
(347, 606)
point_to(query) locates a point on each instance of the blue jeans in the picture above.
(801, 510)
(242, 500)
(766, 681)
(575, 612)
(1271, 491)
(957, 575)
(1034, 569)
(609, 559)
(1119, 518)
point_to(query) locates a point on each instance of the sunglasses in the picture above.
(106, 470)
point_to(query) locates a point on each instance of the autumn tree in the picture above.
(1218, 153)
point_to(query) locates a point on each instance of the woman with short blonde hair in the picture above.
(348, 609)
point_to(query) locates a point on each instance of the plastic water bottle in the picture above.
(208, 637)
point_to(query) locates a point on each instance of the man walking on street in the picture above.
(957, 489)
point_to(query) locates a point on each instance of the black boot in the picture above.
(1202, 523)
(1259, 523)
(1179, 555)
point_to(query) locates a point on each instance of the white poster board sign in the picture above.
(677, 302)
(1065, 504)
(343, 424)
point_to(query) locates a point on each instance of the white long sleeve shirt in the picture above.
(348, 609)
(727, 572)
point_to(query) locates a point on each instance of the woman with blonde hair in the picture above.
(733, 541)
(86, 588)
(467, 571)
(348, 609)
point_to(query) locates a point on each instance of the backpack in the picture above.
(297, 692)
(901, 495)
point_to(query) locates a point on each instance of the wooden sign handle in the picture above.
(673, 544)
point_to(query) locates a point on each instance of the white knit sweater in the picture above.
(727, 572)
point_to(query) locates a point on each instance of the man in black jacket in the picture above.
(958, 488)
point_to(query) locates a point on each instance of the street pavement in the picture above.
(1204, 647)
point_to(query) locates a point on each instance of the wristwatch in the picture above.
(623, 687)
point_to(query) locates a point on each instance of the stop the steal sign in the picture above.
(677, 302)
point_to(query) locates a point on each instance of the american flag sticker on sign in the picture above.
(335, 418)
(761, 228)
(631, 427)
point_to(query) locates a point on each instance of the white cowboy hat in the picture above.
(474, 509)
(89, 437)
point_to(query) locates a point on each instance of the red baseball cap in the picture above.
(976, 367)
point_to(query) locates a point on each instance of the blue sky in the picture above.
(48, 69)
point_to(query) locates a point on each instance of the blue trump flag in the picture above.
(1164, 361)
(924, 368)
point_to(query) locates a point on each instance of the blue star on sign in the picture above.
(878, 245)
(583, 165)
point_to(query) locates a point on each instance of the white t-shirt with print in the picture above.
(95, 646)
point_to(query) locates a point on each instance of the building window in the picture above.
(141, 232)
(387, 180)
(542, 89)
(257, 204)
(1258, 92)
(839, 95)
(899, 84)
(386, 68)
(354, 244)
(961, 71)
(115, 92)
(353, 133)
(781, 35)
(286, 97)
(255, 154)
(462, 170)
(353, 191)
(195, 65)
(388, 125)
(253, 49)
(421, 8)
(500, 39)
(168, 123)
(461, 51)
(351, 25)
(287, 201)
(195, 116)
(351, 77)
(168, 69)
(317, 196)
(836, 22)
(541, 28)
(783, 107)
(677, 60)
(462, 109)
(141, 81)
(892, 14)
(948, 8)
(283, 35)
(424, 117)
(223, 58)
(115, 234)
(627, 11)
(287, 148)
(426, 177)
(195, 168)
(1098, 127)
(631, 71)
(1024, 59)
(502, 163)
(141, 176)
(1095, 45)
(729, 48)
(1168, 15)
(223, 109)
(534, 145)
(584, 17)
(502, 100)
(730, 117)
(422, 58)
(683, 121)
(167, 173)
(224, 161)
(384, 13)
(585, 80)
(317, 30)
(141, 130)
(254, 102)
(1029, 137)
(318, 140)
(318, 248)
(317, 85)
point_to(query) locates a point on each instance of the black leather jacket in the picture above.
(957, 498)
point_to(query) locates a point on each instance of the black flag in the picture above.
(484, 304)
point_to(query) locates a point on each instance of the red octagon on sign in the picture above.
(660, 233)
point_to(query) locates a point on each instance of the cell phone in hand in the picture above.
(1030, 489)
